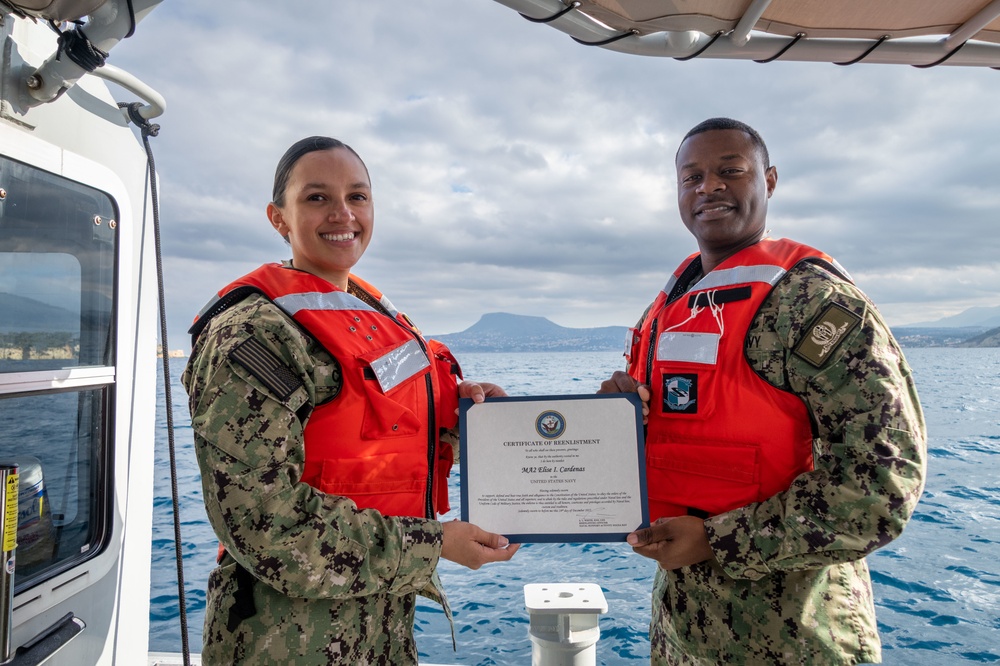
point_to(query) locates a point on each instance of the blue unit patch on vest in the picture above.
(680, 393)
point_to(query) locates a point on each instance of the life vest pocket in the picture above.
(395, 388)
(714, 478)
(389, 482)
(388, 416)
(685, 391)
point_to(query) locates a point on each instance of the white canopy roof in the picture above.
(922, 33)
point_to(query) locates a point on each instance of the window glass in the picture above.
(57, 286)
(41, 319)
(56, 441)
(57, 245)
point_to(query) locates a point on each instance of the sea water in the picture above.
(937, 588)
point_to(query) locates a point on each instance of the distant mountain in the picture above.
(990, 338)
(503, 332)
(981, 317)
(969, 328)
(936, 337)
(29, 315)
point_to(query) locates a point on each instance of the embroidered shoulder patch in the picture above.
(266, 367)
(825, 334)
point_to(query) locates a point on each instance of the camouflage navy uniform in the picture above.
(789, 583)
(307, 577)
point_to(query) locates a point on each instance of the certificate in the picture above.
(567, 468)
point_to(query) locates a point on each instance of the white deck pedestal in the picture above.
(563, 625)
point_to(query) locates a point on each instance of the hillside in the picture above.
(937, 336)
(973, 327)
(984, 317)
(504, 332)
(990, 338)
(26, 314)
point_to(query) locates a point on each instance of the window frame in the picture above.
(101, 380)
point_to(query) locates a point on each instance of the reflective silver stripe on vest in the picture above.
(843, 270)
(387, 304)
(740, 275)
(729, 276)
(400, 364)
(208, 306)
(689, 347)
(670, 285)
(317, 300)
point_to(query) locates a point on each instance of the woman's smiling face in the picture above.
(328, 213)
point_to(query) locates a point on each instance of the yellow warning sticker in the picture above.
(10, 514)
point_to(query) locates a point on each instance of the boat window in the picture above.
(55, 440)
(57, 249)
(57, 287)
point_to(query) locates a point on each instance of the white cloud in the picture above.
(925, 293)
(516, 170)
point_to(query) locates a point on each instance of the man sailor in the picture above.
(785, 441)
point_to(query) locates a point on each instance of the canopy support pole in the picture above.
(968, 30)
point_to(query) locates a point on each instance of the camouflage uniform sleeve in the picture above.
(453, 437)
(869, 447)
(249, 444)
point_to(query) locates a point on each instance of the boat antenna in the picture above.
(149, 129)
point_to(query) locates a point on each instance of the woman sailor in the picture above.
(318, 412)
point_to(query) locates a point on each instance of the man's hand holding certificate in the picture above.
(554, 468)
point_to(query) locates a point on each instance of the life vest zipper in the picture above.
(431, 445)
(650, 352)
(431, 416)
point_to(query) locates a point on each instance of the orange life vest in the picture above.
(377, 441)
(719, 436)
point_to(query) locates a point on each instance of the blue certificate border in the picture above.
(556, 537)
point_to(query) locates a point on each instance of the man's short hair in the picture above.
(730, 124)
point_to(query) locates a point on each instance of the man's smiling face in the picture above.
(722, 190)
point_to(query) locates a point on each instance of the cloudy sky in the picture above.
(517, 171)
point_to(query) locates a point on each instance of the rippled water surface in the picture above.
(937, 587)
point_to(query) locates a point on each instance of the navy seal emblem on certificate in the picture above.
(550, 424)
(566, 468)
